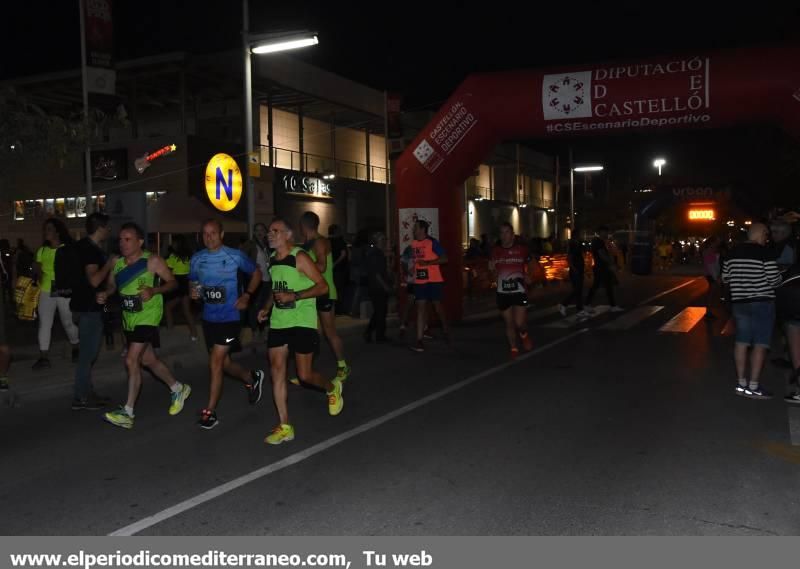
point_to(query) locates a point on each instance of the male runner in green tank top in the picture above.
(296, 282)
(319, 249)
(136, 276)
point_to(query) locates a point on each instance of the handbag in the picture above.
(26, 297)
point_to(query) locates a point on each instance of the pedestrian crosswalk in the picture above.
(632, 318)
(683, 322)
(570, 321)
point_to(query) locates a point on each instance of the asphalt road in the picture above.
(609, 427)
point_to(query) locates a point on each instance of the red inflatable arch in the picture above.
(704, 90)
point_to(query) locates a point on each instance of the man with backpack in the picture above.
(84, 278)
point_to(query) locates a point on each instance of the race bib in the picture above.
(214, 294)
(131, 303)
(422, 274)
(511, 285)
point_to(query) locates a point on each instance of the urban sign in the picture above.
(307, 186)
(223, 182)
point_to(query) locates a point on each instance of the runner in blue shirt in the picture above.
(213, 279)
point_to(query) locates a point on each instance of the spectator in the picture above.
(576, 273)
(341, 264)
(782, 246)
(23, 261)
(380, 288)
(752, 275)
(486, 246)
(5, 355)
(358, 271)
(474, 249)
(55, 236)
(604, 271)
(711, 267)
(94, 270)
(6, 271)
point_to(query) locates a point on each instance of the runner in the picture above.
(136, 275)
(428, 280)
(319, 249)
(213, 280)
(509, 262)
(296, 283)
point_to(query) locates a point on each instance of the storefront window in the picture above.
(59, 207)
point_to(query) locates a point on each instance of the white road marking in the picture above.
(291, 460)
(685, 320)
(571, 321)
(666, 292)
(632, 318)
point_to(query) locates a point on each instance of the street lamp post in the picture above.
(572, 170)
(658, 163)
(261, 44)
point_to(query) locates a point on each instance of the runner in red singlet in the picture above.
(510, 262)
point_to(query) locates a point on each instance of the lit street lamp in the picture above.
(261, 44)
(658, 163)
(572, 170)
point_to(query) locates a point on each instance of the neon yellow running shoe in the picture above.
(119, 418)
(283, 433)
(178, 399)
(295, 381)
(343, 372)
(335, 399)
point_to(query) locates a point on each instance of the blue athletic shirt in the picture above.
(217, 272)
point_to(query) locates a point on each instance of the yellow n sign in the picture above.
(223, 182)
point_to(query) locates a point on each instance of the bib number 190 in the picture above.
(214, 295)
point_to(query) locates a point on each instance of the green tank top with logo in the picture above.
(328, 274)
(129, 279)
(286, 278)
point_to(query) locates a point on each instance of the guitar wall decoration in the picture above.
(143, 163)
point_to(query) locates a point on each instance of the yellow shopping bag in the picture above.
(26, 296)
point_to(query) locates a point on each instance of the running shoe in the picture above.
(527, 343)
(255, 387)
(208, 419)
(418, 347)
(295, 381)
(335, 399)
(514, 353)
(179, 398)
(283, 433)
(343, 372)
(740, 389)
(119, 418)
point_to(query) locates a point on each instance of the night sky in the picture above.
(424, 50)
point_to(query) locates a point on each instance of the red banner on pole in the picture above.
(99, 34)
